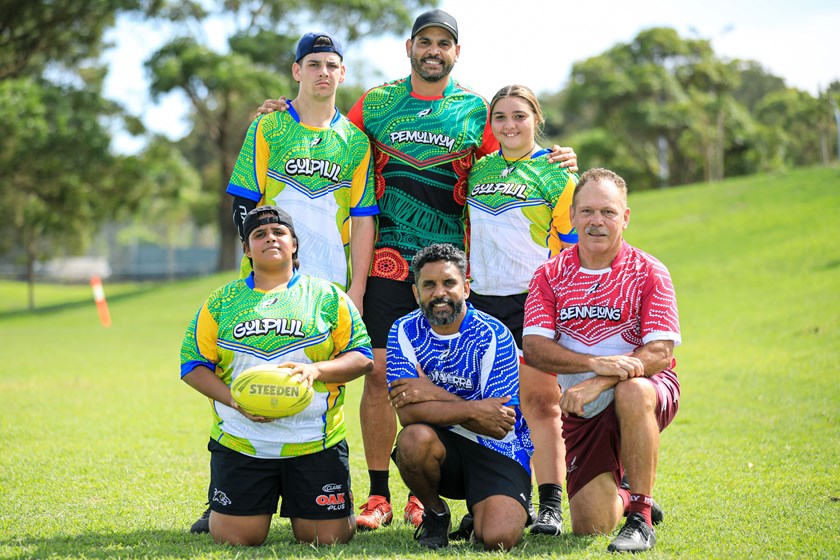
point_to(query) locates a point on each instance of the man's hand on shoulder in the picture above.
(271, 105)
(565, 156)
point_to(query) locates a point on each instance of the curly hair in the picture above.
(436, 253)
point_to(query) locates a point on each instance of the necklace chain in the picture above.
(510, 166)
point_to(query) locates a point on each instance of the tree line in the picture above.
(664, 109)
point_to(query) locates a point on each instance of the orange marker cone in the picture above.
(101, 304)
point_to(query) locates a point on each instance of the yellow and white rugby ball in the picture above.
(270, 391)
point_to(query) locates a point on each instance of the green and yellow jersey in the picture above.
(238, 327)
(321, 176)
(518, 217)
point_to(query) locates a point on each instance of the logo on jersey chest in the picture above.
(507, 189)
(601, 312)
(423, 137)
(305, 166)
(441, 377)
(260, 327)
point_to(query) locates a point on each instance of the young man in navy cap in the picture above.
(316, 165)
(426, 131)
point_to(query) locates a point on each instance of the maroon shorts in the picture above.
(593, 444)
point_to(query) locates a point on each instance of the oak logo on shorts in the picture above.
(260, 327)
(305, 166)
(601, 312)
(332, 498)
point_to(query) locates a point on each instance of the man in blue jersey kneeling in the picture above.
(453, 378)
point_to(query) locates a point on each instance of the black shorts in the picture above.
(385, 302)
(510, 310)
(314, 486)
(473, 472)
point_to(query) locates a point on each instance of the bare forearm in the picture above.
(490, 417)
(344, 368)
(655, 356)
(576, 397)
(547, 355)
(436, 413)
(203, 380)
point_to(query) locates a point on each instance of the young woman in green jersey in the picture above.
(518, 216)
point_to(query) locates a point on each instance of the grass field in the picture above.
(103, 448)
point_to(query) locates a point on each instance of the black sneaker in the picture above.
(433, 532)
(549, 521)
(635, 536)
(465, 529)
(656, 512)
(202, 524)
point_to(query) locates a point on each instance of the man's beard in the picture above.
(440, 319)
(445, 69)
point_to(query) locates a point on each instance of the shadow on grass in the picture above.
(84, 302)
(391, 542)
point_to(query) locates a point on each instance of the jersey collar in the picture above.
(450, 88)
(249, 280)
(294, 114)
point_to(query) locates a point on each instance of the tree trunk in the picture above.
(720, 143)
(30, 272)
(228, 238)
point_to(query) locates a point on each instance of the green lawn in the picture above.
(104, 448)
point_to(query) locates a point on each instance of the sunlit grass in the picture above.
(104, 448)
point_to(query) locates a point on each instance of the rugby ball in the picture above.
(270, 391)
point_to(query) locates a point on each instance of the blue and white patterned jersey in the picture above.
(478, 362)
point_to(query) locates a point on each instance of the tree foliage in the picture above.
(666, 110)
(59, 179)
(38, 33)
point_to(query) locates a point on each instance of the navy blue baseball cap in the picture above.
(316, 43)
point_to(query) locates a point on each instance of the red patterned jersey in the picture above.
(424, 148)
(602, 312)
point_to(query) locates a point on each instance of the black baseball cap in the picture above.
(256, 218)
(328, 43)
(435, 18)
